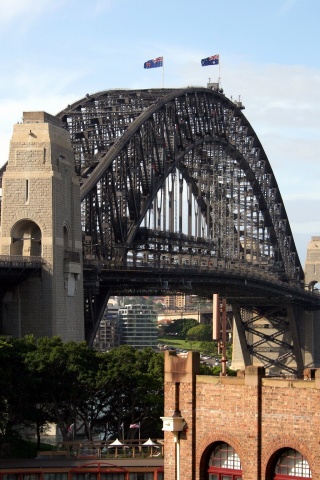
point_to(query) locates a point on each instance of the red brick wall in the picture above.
(255, 415)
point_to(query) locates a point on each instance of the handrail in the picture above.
(13, 259)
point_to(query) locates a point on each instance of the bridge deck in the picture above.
(241, 284)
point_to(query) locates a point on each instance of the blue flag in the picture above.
(156, 62)
(213, 60)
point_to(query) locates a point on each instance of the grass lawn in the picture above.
(177, 342)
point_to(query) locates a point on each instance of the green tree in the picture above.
(64, 371)
(181, 326)
(17, 389)
(199, 333)
(97, 391)
(133, 381)
(209, 347)
(216, 370)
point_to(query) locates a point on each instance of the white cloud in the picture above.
(285, 7)
(101, 6)
(28, 11)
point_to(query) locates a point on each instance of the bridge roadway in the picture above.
(238, 282)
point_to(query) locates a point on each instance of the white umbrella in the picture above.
(116, 444)
(149, 443)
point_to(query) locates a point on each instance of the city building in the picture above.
(248, 427)
(108, 332)
(173, 302)
(138, 326)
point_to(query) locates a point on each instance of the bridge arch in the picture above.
(178, 163)
(177, 194)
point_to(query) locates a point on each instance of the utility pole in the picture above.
(224, 338)
(219, 329)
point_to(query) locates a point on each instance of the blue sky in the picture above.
(55, 52)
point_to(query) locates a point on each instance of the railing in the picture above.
(18, 260)
(105, 449)
(242, 268)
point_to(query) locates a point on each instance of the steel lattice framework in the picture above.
(178, 178)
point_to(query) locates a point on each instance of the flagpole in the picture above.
(162, 73)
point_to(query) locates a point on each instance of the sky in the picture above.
(55, 52)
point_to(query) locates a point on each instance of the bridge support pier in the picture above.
(272, 336)
(40, 217)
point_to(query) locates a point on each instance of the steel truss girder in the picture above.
(156, 166)
(128, 143)
(282, 344)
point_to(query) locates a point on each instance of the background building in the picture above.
(173, 302)
(138, 326)
(108, 335)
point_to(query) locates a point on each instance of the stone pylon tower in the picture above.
(311, 279)
(40, 216)
(312, 265)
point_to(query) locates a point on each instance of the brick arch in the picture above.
(277, 444)
(204, 446)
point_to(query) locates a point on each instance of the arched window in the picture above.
(224, 463)
(291, 465)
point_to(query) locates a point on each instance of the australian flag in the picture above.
(213, 60)
(156, 62)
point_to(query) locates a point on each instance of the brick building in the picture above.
(248, 427)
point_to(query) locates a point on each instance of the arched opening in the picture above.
(224, 463)
(314, 286)
(65, 238)
(26, 239)
(289, 464)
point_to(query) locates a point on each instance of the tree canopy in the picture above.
(46, 380)
(181, 326)
(200, 333)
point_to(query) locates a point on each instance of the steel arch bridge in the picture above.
(178, 195)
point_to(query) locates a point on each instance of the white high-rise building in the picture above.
(138, 326)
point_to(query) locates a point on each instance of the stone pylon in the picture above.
(40, 217)
(312, 265)
(311, 279)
